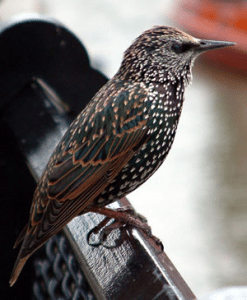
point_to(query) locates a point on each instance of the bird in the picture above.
(118, 140)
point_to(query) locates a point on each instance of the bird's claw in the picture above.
(105, 232)
(121, 228)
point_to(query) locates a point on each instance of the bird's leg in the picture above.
(124, 217)
(116, 224)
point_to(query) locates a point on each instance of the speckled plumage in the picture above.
(119, 140)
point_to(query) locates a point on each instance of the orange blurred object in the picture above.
(219, 20)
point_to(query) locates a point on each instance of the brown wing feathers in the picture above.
(82, 166)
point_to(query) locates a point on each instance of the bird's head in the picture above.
(164, 51)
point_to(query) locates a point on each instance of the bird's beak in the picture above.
(205, 45)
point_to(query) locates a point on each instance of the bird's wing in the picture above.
(93, 153)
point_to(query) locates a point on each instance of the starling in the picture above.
(118, 141)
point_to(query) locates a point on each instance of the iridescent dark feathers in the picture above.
(119, 140)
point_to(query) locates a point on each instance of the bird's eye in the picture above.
(177, 48)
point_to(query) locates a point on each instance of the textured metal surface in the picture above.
(58, 273)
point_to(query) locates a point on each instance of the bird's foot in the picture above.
(124, 219)
(109, 236)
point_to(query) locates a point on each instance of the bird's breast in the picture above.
(162, 111)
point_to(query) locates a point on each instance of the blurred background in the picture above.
(197, 201)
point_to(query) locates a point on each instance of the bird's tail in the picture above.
(19, 264)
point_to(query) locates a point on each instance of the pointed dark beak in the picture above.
(205, 45)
